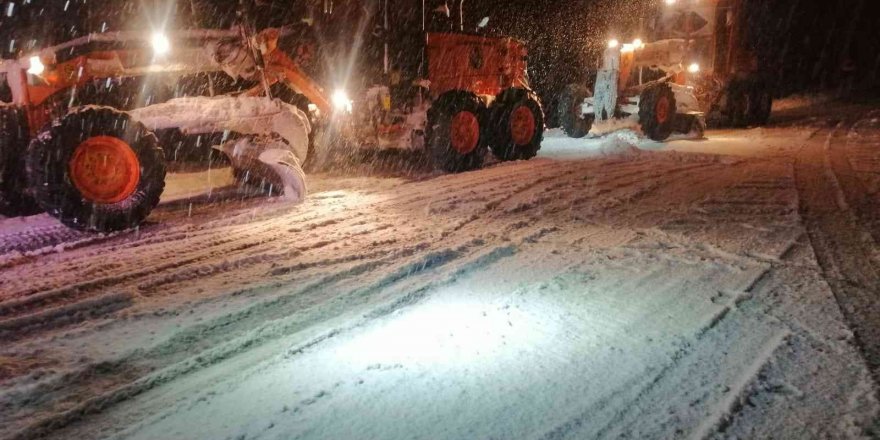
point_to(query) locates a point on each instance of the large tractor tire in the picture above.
(657, 110)
(454, 137)
(516, 125)
(96, 169)
(14, 200)
(574, 124)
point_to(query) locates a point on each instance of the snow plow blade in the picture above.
(268, 139)
(267, 163)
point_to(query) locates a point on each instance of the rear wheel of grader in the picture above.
(96, 170)
(516, 123)
(454, 137)
(657, 112)
(14, 200)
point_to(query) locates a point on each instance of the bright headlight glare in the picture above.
(161, 45)
(638, 43)
(36, 66)
(612, 43)
(341, 101)
(694, 68)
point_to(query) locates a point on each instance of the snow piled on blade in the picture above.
(268, 159)
(245, 115)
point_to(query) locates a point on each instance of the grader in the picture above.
(696, 72)
(83, 135)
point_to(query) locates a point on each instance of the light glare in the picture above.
(36, 66)
(341, 101)
(613, 43)
(694, 68)
(161, 45)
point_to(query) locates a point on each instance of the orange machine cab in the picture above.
(482, 65)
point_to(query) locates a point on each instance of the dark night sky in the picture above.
(809, 44)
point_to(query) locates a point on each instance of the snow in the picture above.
(624, 142)
(611, 287)
(243, 114)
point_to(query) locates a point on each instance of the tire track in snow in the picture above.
(845, 250)
(191, 235)
(722, 412)
(411, 283)
(446, 231)
(423, 265)
(161, 259)
(195, 253)
(510, 188)
(322, 283)
(622, 413)
(199, 268)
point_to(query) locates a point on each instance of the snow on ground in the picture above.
(612, 287)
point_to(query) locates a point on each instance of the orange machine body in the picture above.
(479, 64)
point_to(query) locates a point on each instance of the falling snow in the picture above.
(718, 284)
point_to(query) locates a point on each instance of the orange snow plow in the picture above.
(84, 136)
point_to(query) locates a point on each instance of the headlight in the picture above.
(36, 66)
(161, 45)
(694, 68)
(612, 43)
(638, 43)
(341, 101)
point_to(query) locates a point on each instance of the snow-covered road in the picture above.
(723, 288)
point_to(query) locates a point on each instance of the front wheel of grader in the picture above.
(516, 125)
(657, 112)
(96, 169)
(454, 135)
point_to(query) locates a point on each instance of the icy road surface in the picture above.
(723, 288)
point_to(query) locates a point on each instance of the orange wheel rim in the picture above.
(105, 169)
(662, 110)
(465, 132)
(522, 125)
